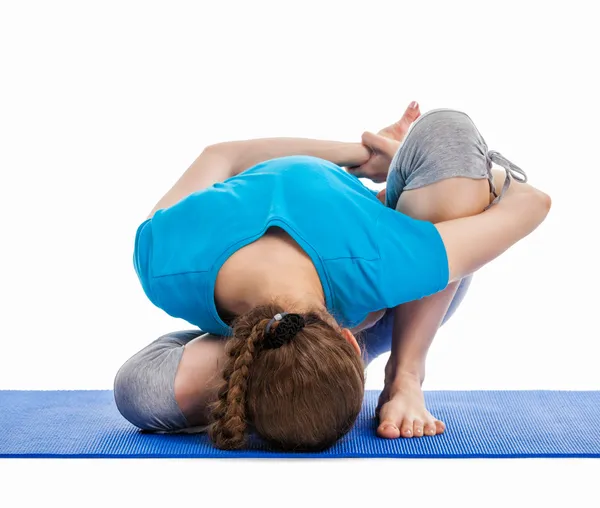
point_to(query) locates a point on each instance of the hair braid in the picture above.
(228, 428)
(300, 389)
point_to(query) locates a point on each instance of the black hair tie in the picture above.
(288, 325)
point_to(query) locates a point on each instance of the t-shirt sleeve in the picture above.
(142, 255)
(414, 263)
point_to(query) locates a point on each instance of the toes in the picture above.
(407, 428)
(440, 427)
(430, 429)
(388, 430)
(418, 428)
(410, 428)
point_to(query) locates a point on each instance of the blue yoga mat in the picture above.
(479, 424)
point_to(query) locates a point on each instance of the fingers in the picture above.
(371, 140)
(357, 171)
(380, 144)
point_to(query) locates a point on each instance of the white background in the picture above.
(104, 104)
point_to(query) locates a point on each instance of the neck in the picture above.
(271, 270)
(293, 297)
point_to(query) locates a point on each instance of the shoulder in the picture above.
(413, 258)
(401, 236)
(291, 164)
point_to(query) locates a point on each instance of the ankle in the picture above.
(406, 380)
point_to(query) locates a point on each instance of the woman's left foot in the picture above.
(402, 413)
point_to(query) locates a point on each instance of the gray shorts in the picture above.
(144, 386)
(440, 144)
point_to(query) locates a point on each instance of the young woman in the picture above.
(283, 257)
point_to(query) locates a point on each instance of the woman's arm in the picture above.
(472, 242)
(416, 322)
(224, 160)
(245, 154)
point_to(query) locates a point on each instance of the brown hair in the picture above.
(302, 396)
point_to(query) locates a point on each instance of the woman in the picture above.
(272, 245)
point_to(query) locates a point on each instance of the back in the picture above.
(337, 221)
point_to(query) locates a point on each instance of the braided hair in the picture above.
(229, 413)
(277, 363)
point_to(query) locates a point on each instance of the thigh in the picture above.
(144, 385)
(439, 173)
(444, 153)
(199, 377)
(445, 200)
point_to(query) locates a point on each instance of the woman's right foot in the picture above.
(402, 413)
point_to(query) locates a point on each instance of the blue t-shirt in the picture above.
(368, 257)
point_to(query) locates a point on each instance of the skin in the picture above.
(272, 266)
(401, 408)
(280, 270)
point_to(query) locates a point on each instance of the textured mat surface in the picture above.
(479, 424)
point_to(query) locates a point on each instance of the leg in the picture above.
(443, 170)
(199, 376)
(377, 340)
(154, 389)
(448, 199)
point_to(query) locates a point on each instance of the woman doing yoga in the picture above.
(280, 257)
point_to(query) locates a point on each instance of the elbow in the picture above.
(548, 202)
(545, 203)
(215, 149)
(226, 154)
(536, 202)
(536, 207)
(224, 148)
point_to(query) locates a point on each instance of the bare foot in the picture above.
(402, 413)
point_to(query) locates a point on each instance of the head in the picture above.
(300, 389)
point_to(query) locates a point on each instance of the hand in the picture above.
(384, 145)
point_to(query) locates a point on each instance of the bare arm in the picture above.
(416, 322)
(472, 238)
(224, 160)
(472, 242)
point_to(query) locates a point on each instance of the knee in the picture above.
(127, 393)
(144, 392)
